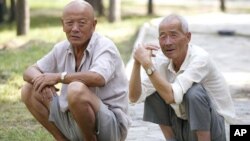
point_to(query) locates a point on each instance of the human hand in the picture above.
(45, 79)
(143, 53)
(48, 92)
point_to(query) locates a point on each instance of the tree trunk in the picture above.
(97, 5)
(223, 5)
(93, 3)
(150, 7)
(100, 8)
(2, 10)
(114, 10)
(23, 17)
(12, 15)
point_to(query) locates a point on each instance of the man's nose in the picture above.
(167, 41)
(75, 26)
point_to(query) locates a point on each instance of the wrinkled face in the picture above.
(173, 40)
(78, 24)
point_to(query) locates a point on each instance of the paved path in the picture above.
(231, 54)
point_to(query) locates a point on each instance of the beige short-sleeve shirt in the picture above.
(101, 56)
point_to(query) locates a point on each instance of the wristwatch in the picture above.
(150, 71)
(63, 75)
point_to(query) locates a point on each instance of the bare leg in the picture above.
(40, 110)
(203, 135)
(83, 105)
(167, 131)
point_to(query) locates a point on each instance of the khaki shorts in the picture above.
(107, 127)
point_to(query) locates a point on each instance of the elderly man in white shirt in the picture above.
(185, 92)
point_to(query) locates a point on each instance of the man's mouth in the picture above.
(74, 37)
(169, 50)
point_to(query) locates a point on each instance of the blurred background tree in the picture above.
(23, 17)
(223, 5)
(19, 11)
(114, 10)
(2, 10)
(98, 6)
(150, 7)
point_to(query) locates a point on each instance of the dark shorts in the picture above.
(107, 127)
(200, 115)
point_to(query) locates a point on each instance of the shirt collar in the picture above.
(184, 64)
(90, 46)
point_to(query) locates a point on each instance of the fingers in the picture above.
(37, 82)
(48, 93)
(54, 90)
(41, 86)
(43, 80)
(151, 47)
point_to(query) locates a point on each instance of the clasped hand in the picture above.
(44, 84)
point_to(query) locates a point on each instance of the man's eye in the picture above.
(82, 23)
(162, 36)
(173, 35)
(69, 23)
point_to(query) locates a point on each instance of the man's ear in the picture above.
(62, 24)
(189, 36)
(95, 22)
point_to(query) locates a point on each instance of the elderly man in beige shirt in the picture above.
(93, 103)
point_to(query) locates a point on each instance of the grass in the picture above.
(16, 123)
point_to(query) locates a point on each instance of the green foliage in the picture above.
(13, 63)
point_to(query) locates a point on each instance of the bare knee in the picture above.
(203, 135)
(26, 91)
(167, 131)
(76, 93)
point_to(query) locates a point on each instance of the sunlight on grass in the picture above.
(48, 4)
(8, 35)
(20, 126)
(48, 34)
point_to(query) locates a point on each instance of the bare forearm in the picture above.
(135, 83)
(163, 87)
(90, 79)
(30, 73)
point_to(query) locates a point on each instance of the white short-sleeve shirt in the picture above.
(197, 67)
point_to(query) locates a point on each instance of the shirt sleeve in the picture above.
(104, 63)
(196, 71)
(48, 62)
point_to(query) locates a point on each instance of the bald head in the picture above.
(78, 6)
(178, 19)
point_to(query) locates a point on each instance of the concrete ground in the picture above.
(231, 54)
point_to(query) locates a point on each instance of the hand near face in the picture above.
(143, 53)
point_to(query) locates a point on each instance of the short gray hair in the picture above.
(183, 21)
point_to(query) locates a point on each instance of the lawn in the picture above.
(16, 123)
